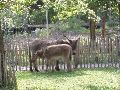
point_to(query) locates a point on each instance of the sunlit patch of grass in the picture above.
(82, 79)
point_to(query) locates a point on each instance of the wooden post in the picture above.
(92, 29)
(47, 23)
(103, 27)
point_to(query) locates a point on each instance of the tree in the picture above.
(2, 64)
(2, 52)
(6, 7)
(119, 13)
(103, 7)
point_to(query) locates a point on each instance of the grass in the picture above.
(82, 79)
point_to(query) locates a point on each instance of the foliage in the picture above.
(68, 8)
(83, 79)
(43, 33)
(37, 17)
(19, 11)
(102, 7)
(71, 24)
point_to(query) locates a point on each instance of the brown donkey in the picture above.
(39, 44)
(52, 53)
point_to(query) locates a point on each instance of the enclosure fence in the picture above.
(7, 75)
(103, 52)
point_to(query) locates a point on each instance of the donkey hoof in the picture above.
(57, 69)
(31, 70)
(36, 70)
(69, 70)
(46, 70)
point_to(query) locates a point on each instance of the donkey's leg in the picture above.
(68, 65)
(43, 64)
(53, 63)
(69, 58)
(30, 65)
(47, 64)
(57, 66)
(35, 66)
(31, 61)
(34, 60)
(76, 62)
(65, 62)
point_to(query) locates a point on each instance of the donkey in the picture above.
(39, 44)
(54, 52)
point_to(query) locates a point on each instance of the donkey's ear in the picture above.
(64, 35)
(67, 38)
(78, 38)
(70, 40)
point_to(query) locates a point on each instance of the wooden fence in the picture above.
(7, 75)
(99, 53)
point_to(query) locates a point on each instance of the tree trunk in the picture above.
(92, 30)
(103, 26)
(2, 59)
(119, 14)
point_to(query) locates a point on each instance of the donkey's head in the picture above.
(73, 43)
(40, 53)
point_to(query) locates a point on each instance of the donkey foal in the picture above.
(54, 52)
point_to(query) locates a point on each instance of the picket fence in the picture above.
(102, 52)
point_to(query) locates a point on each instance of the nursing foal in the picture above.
(39, 44)
(52, 53)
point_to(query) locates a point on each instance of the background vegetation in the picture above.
(71, 13)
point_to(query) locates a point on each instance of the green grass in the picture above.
(82, 79)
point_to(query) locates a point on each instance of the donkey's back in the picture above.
(59, 50)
